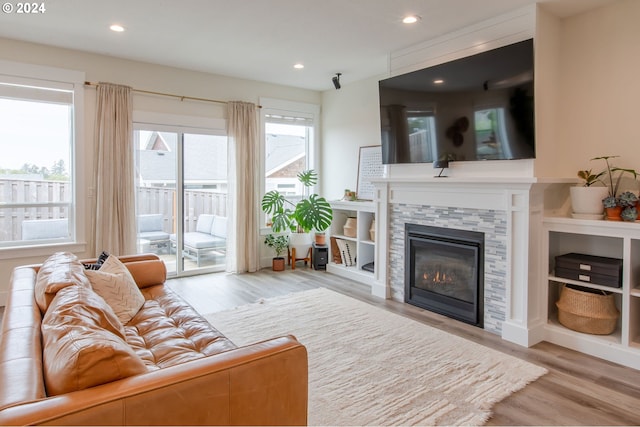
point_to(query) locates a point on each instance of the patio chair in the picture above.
(210, 236)
(151, 232)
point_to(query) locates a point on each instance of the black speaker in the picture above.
(320, 256)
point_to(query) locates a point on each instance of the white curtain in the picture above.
(113, 225)
(242, 248)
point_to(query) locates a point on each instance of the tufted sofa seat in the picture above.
(177, 369)
(166, 332)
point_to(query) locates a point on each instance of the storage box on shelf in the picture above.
(603, 239)
(362, 214)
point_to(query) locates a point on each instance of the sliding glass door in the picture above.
(182, 198)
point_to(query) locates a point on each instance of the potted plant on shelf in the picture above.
(312, 212)
(612, 208)
(622, 207)
(613, 203)
(586, 199)
(279, 243)
(613, 182)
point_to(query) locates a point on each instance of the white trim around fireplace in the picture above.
(521, 200)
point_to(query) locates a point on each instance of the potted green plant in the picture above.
(586, 199)
(311, 212)
(612, 208)
(613, 181)
(279, 243)
(628, 202)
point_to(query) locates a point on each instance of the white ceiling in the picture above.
(260, 39)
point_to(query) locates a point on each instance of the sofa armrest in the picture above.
(260, 384)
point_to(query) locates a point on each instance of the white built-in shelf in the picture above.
(614, 239)
(364, 212)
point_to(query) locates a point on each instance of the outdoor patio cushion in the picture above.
(150, 227)
(154, 235)
(204, 223)
(36, 229)
(202, 241)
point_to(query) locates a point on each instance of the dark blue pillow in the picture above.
(96, 266)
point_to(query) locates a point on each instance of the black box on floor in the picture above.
(320, 256)
(590, 269)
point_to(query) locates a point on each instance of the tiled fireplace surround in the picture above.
(490, 222)
(507, 210)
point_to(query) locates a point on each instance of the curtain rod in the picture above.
(181, 97)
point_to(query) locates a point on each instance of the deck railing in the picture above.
(22, 200)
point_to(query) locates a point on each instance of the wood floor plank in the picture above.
(579, 389)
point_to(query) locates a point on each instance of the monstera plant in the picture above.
(312, 212)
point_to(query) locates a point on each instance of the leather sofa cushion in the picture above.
(83, 343)
(114, 283)
(167, 331)
(148, 272)
(60, 270)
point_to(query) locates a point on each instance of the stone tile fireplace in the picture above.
(492, 224)
(507, 211)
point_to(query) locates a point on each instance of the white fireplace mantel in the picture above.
(521, 199)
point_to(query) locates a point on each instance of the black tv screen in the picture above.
(480, 107)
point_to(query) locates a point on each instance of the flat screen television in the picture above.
(480, 107)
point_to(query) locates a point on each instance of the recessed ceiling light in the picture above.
(438, 81)
(410, 19)
(298, 66)
(117, 28)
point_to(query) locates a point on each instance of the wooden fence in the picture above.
(149, 200)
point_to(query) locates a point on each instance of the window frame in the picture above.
(291, 109)
(180, 124)
(56, 78)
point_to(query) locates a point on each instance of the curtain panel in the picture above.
(244, 188)
(113, 225)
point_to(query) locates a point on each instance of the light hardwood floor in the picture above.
(578, 390)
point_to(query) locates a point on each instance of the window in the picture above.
(37, 162)
(289, 144)
(422, 135)
(181, 191)
(491, 135)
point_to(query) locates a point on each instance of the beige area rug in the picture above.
(368, 366)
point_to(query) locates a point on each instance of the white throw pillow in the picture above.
(116, 286)
(347, 252)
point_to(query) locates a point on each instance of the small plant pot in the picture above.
(277, 264)
(321, 239)
(614, 214)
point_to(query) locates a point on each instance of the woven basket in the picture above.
(587, 311)
(350, 227)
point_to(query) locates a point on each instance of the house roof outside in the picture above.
(282, 150)
(206, 162)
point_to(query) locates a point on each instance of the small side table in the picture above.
(320, 256)
(293, 259)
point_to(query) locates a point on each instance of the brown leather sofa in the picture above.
(193, 375)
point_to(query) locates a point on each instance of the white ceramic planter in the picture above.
(587, 201)
(302, 243)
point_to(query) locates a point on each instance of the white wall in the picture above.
(350, 120)
(139, 76)
(599, 87)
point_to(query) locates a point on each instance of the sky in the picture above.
(33, 132)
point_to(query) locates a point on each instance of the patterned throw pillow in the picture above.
(96, 266)
(114, 283)
(347, 251)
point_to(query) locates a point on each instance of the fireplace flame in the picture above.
(439, 278)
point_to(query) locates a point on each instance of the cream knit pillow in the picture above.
(114, 283)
